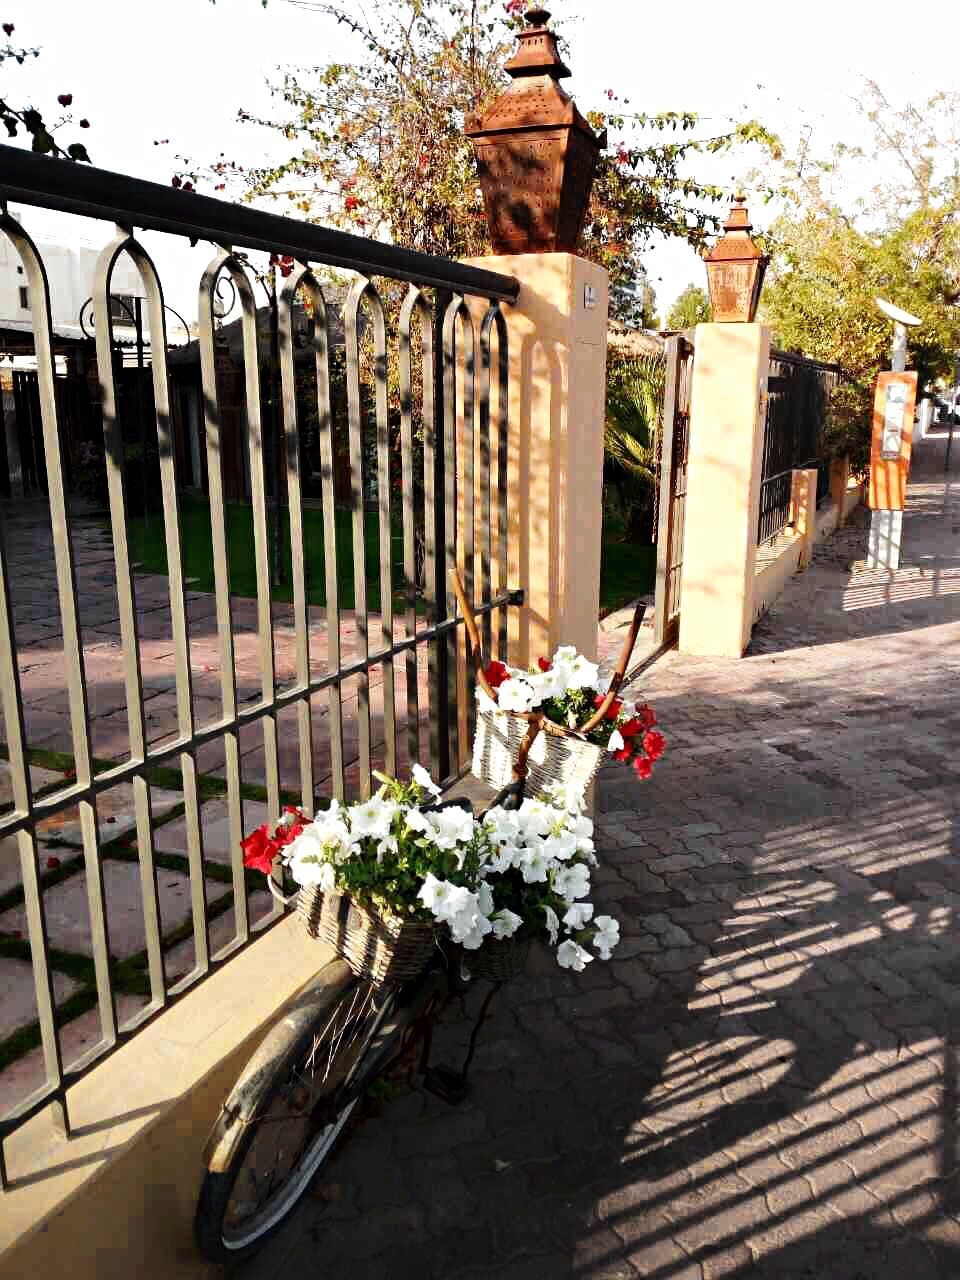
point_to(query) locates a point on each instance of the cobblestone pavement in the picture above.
(764, 1083)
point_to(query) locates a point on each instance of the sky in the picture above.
(143, 71)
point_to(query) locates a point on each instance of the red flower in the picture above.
(287, 832)
(614, 709)
(53, 863)
(496, 673)
(630, 728)
(625, 752)
(646, 715)
(642, 767)
(654, 744)
(259, 851)
(544, 664)
(65, 99)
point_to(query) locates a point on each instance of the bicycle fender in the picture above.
(241, 1106)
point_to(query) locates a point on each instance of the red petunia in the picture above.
(259, 851)
(654, 744)
(624, 754)
(630, 728)
(642, 767)
(53, 864)
(496, 673)
(613, 711)
(646, 715)
(544, 664)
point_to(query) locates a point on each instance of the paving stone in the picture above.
(67, 912)
(215, 828)
(116, 816)
(18, 999)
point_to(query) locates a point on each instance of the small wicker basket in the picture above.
(569, 759)
(379, 947)
(499, 959)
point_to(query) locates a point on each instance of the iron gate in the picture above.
(672, 481)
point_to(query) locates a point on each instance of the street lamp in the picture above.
(735, 270)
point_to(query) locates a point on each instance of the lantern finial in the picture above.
(536, 154)
(735, 268)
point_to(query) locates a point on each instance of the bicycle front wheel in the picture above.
(285, 1114)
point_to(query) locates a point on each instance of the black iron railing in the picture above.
(798, 392)
(366, 687)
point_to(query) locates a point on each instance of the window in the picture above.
(24, 298)
(123, 308)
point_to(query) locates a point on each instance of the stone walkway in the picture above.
(764, 1083)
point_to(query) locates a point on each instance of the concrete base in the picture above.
(883, 547)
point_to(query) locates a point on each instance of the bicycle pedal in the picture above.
(449, 1085)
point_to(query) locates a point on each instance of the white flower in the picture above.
(536, 818)
(509, 856)
(424, 781)
(565, 653)
(472, 937)
(572, 882)
(547, 684)
(567, 796)
(560, 847)
(615, 742)
(553, 924)
(578, 915)
(534, 866)
(502, 826)
(505, 924)
(607, 936)
(372, 817)
(327, 841)
(582, 674)
(444, 899)
(309, 871)
(517, 694)
(417, 821)
(571, 719)
(570, 955)
(451, 827)
(387, 845)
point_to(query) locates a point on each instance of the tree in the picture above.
(899, 238)
(28, 119)
(378, 144)
(691, 308)
(634, 398)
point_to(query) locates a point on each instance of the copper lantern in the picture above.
(735, 270)
(536, 154)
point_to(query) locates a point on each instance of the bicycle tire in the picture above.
(264, 1093)
(336, 992)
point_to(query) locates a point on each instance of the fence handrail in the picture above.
(794, 357)
(99, 193)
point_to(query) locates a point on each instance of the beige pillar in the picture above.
(723, 488)
(803, 512)
(557, 333)
(839, 479)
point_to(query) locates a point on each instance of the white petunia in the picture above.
(582, 674)
(578, 915)
(560, 847)
(485, 702)
(424, 781)
(444, 899)
(372, 817)
(451, 827)
(387, 845)
(310, 872)
(572, 882)
(505, 924)
(615, 742)
(533, 866)
(517, 694)
(553, 924)
(607, 936)
(566, 795)
(570, 955)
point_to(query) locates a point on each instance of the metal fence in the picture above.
(797, 402)
(419, 372)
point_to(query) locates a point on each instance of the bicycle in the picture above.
(294, 1098)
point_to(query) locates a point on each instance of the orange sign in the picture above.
(893, 409)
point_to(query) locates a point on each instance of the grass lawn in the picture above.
(627, 569)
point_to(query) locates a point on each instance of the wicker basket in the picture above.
(568, 759)
(379, 947)
(500, 959)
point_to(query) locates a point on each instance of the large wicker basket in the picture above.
(376, 946)
(499, 959)
(570, 759)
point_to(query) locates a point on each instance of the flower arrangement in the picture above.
(567, 690)
(524, 872)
